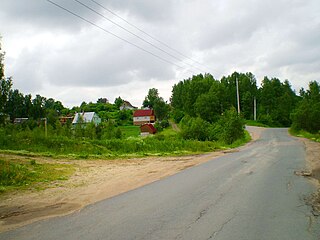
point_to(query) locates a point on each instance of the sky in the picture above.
(123, 48)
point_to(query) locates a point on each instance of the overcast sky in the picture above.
(55, 54)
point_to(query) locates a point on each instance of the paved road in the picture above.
(250, 194)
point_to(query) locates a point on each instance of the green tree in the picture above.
(185, 94)
(195, 128)
(15, 106)
(231, 126)
(38, 110)
(5, 87)
(151, 98)
(276, 102)
(118, 102)
(307, 114)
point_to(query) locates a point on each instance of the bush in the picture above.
(196, 129)
(232, 127)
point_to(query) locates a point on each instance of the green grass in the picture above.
(130, 131)
(168, 142)
(305, 134)
(21, 174)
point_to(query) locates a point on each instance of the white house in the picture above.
(127, 106)
(87, 117)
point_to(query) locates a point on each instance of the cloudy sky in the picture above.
(54, 53)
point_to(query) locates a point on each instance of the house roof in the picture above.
(127, 104)
(143, 113)
(148, 127)
(86, 116)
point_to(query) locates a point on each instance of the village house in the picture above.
(127, 106)
(20, 120)
(143, 116)
(86, 117)
(65, 120)
(147, 129)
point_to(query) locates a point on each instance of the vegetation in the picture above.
(17, 174)
(307, 114)
(301, 133)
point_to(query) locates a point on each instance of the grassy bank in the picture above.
(32, 143)
(21, 174)
(301, 133)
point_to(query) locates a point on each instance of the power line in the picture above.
(147, 34)
(123, 39)
(137, 36)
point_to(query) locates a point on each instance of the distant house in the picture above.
(127, 106)
(64, 120)
(20, 120)
(86, 117)
(143, 116)
(147, 129)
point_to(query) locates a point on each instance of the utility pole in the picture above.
(45, 126)
(255, 109)
(238, 98)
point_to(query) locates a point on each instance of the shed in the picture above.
(87, 117)
(147, 129)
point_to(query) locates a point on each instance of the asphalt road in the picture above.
(249, 194)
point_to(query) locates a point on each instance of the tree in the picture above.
(151, 98)
(15, 105)
(161, 109)
(118, 102)
(5, 87)
(276, 102)
(185, 94)
(38, 110)
(154, 101)
(307, 114)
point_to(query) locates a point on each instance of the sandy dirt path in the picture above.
(93, 181)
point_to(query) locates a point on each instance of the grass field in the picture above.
(130, 131)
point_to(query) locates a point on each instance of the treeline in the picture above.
(208, 98)
(205, 106)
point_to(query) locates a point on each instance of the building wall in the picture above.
(142, 120)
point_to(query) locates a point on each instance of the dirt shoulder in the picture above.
(313, 157)
(93, 181)
(313, 167)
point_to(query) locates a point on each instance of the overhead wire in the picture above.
(149, 35)
(137, 36)
(119, 37)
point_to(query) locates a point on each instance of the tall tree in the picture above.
(307, 114)
(151, 98)
(38, 110)
(5, 87)
(118, 102)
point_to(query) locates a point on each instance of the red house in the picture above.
(143, 116)
(147, 129)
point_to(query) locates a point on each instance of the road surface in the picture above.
(249, 194)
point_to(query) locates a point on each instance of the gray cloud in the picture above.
(49, 48)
